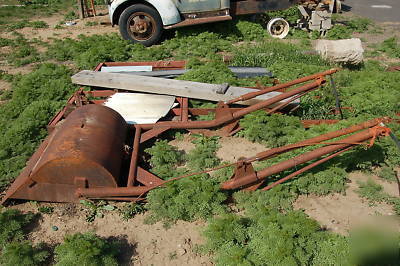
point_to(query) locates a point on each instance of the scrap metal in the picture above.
(91, 152)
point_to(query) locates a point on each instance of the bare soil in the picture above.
(143, 244)
(341, 212)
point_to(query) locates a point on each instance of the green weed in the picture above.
(164, 159)
(203, 156)
(273, 130)
(96, 209)
(36, 97)
(86, 249)
(130, 210)
(390, 47)
(23, 253)
(266, 238)
(14, 225)
(189, 199)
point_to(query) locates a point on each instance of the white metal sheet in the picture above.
(140, 108)
(127, 69)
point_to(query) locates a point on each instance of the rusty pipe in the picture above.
(321, 138)
(282, 166)
(278, 98)
(251, 95)
(134, 158)
(101, 192)
(236, 115)
(306, 168)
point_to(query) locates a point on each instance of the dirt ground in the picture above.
(143, 244)
(341, 212)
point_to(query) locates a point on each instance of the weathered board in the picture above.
(189, 89)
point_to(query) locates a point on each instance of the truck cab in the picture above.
(143, 21)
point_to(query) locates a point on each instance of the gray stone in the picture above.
(348, 51)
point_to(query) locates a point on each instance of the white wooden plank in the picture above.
(194, 90)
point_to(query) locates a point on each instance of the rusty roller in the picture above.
(85, 151)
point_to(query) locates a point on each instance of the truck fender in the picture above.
(166, 8)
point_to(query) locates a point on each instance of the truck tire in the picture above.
(141, 24)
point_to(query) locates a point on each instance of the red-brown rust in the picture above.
(251, 95)
(85, 150)
(111, 192)
(306, 168)
(135, 155)
(237, 114)
(298, 160)
(321, 138)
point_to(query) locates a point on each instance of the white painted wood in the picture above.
(194, 90)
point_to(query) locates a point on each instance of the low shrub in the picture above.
(274, 130)
(203, 156)
(35, 99)
(14, 224)
(86, 249)
(188, 199)
(268, 237)
(23, 254)
(164, 159)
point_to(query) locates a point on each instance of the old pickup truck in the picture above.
(143, 21)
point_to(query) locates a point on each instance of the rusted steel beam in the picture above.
(135, 156)
(236, 115)
(306, 168)
(251, 95)
(111, 192)
(303, 158)
(310, 123)
(321, 138)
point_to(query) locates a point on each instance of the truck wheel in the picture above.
(141, 24)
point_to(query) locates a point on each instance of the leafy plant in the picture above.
(36, 97)
(96, 209)
(164, 159)
(390, 47)
(24, 254)
(204, 154)
(46, 209)
(14, 225)
(130, 210)
(274, 130)
(197, 197)
(266, 237)
(86, 249)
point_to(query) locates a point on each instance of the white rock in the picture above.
(348, 51)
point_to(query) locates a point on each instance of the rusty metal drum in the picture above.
(85, 151)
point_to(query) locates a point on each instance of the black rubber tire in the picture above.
(151, 12)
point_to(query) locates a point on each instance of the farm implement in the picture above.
(91, 152)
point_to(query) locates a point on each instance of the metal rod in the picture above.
(336, 94)
(306, 168)
(134, 158)
(237, 114)
(324, 137)
(282, 166)
(251, 95)
(102, 192)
